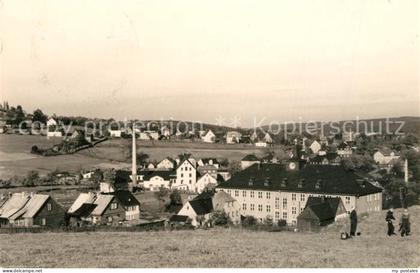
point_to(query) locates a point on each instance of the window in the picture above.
(267, 195)
(252, 208)
(228, 191)
(268, 208)
(244, 206)
(49, 207)
(293, 210)
(284, 215)
(293, 196)
(347, 200)
(252, 194)
(260, 207)
(182, 175)
(284, 203)
(190, 181)
(277, 203)
(302, 197)
(259, 194)
(277, 215)
(236, 193)
(243, 193)
(190, 174)
(43, 222)
(301, 209)
(114, 205)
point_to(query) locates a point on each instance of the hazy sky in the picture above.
(198, 60)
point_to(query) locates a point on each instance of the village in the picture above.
(316, 181)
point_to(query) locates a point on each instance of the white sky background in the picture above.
(197, 60)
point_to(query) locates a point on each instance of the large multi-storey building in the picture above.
(280, 191)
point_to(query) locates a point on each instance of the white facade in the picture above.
(186, 176)
(165, 164)
(205, 181)
(55, 134)
(288, 205)
(51, 122)
(315, 147)
(156, 182)
(209, 137)
(260, 144)
(114, 133)
(382, 159)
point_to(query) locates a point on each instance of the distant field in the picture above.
(219, 247)
(117, 149)
(16, 159)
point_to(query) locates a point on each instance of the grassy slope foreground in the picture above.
(216, 248)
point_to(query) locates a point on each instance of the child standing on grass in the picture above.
(389, 217)
(405, 223)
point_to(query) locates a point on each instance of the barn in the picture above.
(319, 212)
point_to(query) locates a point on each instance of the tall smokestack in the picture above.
(134, 158)
(406, 171)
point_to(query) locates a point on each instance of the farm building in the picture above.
(249, 160)
(319, 212)
(104, 208)
(155, 179)
(28, 210)
(233, 137)
(166, 163)
(199, 210)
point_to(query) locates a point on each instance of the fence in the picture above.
(152, 226)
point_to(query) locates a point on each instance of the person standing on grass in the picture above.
(405, 223)
(389, 217)
(353, 222)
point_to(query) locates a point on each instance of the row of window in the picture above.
(186, 168)
(267, 195)
(267, 208)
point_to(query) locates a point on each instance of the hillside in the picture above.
(230, 247)
(411, 125)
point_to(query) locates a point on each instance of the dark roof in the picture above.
(330, 179)
(202, 206)
(126, 198)
(207, 194)
(323, 211)
(250, 157)
(343, 145)
(178, 218)
(165, 174)
(84, 211)
(333, 202)
(328, 156)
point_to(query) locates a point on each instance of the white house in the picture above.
(315, 147)
(51, 122)
(153, 180)
(114, 133)
(233, 137)
(384, 156)
(186, 176)
(166, 163)
(209, 137)
(267, 138)
(207, 180)
(201, 208)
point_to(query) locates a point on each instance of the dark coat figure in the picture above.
(405, 224)
(389, 217)
(353, 222)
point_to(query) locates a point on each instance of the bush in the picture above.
(249, 221)
(219, 218)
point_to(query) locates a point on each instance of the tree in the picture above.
(249, 221)
(219, 218)
(161, 195)
(20, 115)
(234, 167)
(32, 179)
(97, 176)
(39, 116)
(175, 198)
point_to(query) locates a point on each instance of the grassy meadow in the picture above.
(219, 247)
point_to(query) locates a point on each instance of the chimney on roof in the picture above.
(251, 181)
(283, 183)
(267, 182)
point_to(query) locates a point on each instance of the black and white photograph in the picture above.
(209, 135)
